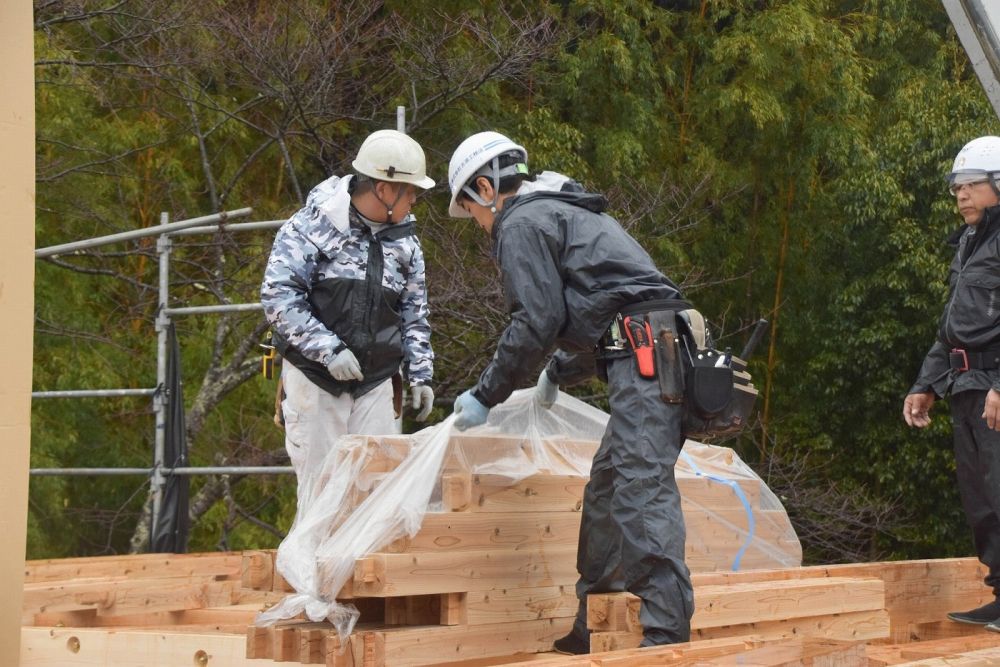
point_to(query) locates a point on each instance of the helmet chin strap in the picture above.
(390, 207)
(496, 173)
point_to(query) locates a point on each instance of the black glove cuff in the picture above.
(479, 397)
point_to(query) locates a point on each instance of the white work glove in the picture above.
(345, 367)
(423, 400)
(546, 391)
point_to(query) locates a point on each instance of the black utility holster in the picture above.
(715, 388)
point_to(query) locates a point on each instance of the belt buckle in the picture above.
(961, 354)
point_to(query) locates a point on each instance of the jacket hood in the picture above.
(552, 185)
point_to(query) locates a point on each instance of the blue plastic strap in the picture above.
(738, 490)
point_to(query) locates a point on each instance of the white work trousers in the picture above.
(315, 418)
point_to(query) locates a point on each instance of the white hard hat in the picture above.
(388, 155)
(470, 157)
(979, 156)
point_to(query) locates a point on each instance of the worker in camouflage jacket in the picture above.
(345, 293)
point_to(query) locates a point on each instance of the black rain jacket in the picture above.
(567, 269)
(971, 317)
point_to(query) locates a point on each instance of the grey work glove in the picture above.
(423, 400)
(345, 367)
(546, 391)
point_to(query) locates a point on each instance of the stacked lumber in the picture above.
(165, 609)
(489, 579)
(798, 652)
(918, 593)
(740, 618)
(907, 623)
(839, 608)
(732, 520)
(127, 590)
(975, 643)
(493, 572)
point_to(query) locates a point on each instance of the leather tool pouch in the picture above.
(717, 396)
(668, 355)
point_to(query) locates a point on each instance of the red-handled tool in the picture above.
(640, 336)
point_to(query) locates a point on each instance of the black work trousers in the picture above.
(977, 462)
(632, 529)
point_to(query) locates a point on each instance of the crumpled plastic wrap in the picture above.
(371, 491)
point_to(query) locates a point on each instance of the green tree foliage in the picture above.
(886, 267)
(782, 159)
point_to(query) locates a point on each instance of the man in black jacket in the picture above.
(568, 270)
(965, 359)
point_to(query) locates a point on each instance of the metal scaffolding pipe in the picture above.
(166, 472)
(221, 308)
(231, 470)
(140, 233)
(76, 472)
(92, 393)
(160, 399)
(977, 24)
(235, 227)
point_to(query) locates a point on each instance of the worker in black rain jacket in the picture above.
(965, 360)
(568, 270)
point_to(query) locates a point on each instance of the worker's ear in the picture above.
(484, 187)
(382, 189)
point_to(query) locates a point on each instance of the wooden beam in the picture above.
(851, 626)
(213, 616)
(952, 646)
(986, 657)
(797, 652)
(125, 597)
(391, 575)
(135, 566)
(659, 655)
(537, 493)
(754, 602)
(521, 604)
(405, 647)
(257, 570)
(468, 531)
(44, 647)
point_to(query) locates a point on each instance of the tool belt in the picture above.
(670, 344)
(966, 360)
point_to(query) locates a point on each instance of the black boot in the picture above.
(988, 613)
(573, 644)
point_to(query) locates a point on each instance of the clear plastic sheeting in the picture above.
(733, 520)
(371, 491)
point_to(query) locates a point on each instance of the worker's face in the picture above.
(973, 199)
(400, 197)
(483, 216)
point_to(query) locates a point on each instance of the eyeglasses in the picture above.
(961, 183)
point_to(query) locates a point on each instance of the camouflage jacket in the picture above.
(334, 280)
